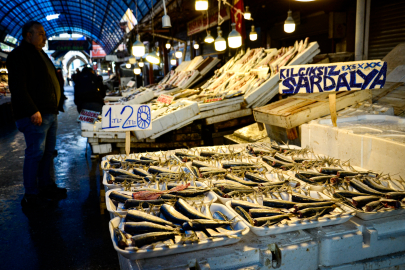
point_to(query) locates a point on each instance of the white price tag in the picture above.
(126, 117)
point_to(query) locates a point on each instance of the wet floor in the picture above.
(72, 234)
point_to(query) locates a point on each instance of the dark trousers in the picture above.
(40, 142)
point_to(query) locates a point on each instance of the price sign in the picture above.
(165, 99)
(334, 77)
(130, 83)
(87, 116)
(126, 117)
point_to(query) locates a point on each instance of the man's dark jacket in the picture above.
(31, 86)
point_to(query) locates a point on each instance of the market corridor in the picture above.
(72, 234)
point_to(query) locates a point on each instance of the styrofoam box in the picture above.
(190, 110)
(101, 148)
(141, 98)
(181, 248)
(372, 142)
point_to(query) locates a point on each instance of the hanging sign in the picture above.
(70, 45)
(126, 117)
(334, 77)
(165, 99)
(87, 116)
(201, 23)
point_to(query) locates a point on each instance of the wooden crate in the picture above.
(301, 108)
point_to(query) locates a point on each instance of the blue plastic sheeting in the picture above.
(95, 19)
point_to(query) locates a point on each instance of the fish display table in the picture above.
(373, 239)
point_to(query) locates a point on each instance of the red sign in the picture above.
(213, 99)
(165, 99)
(87, 116)
(201, 23)
(237, 17)
(97, 52)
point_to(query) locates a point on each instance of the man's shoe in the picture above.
(35, 201)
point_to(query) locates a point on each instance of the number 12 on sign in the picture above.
(126, 117)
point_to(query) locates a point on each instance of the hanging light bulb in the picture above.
(179, 53)
(209, 38)
(173, 61)
(153, 58)
(128, 65)
(234, 38)
(253, 34)
(141, 63)
(220, 42)
(196, 45)
(168, 45)
(157, 52)
(137, 69)
(289, 24)
(138, 48)
(201, 4)
(247, 15)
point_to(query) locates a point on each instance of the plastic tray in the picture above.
(112, 209)
(297, 225)
(181, 248)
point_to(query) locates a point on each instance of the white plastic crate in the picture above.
(358, 240)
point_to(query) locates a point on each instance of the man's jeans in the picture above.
(40, 141)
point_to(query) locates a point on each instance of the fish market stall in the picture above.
(248, 80)
(274, 204)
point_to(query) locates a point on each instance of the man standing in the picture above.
(36, 100)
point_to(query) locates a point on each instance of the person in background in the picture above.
(89, 91)
(36, 99)
(75, 75)
(61, 82)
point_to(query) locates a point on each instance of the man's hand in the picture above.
(36, 119)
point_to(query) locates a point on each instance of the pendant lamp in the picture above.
(220, 42)
(137, 69)
(138, 49)
(128, 65)
(196, 45)
(234, 38)
(173, 61)
(168, 45)
(141, 63)
(201, 5)
(179, 53)
(247, 15)
(289, 24)
(253, 34)
(165, 19)
(153, 58)
(209, 38)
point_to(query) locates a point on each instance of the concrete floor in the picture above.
(70, 235)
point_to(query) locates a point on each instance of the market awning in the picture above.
(95, 19)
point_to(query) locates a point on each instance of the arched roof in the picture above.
(95, 19)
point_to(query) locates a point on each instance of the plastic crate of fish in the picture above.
(174, 230)
(140, 169)
(281, 212)
(119, 201)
